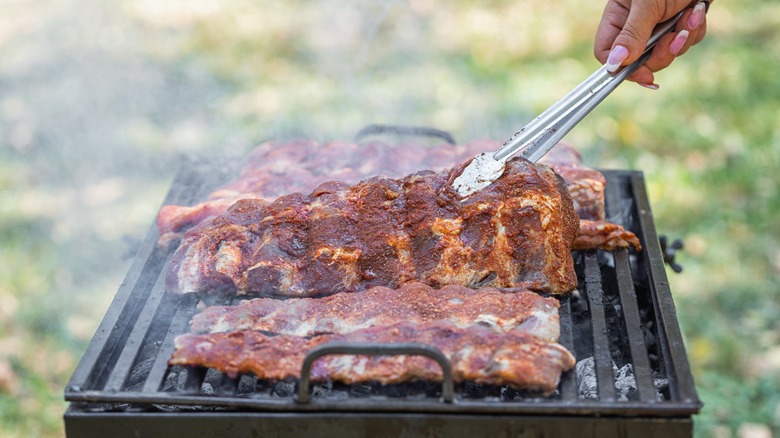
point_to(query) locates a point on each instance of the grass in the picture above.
(97, 101)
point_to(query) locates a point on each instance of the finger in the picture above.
(618, 25)
(680, 40)
(696, 22)
(612, 20)
(701, 33)
(695, 16)
(632, 38)
(665, 51)
(687, 28)
(643, 76)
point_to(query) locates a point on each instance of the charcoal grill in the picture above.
(632, 378)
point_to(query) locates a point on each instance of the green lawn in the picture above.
(98, 99)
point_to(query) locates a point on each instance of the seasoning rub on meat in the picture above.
(604, 235)
(415, 302)
(477, 354)
(275, 169)
(518, 232)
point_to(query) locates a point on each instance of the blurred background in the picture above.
(100, 99)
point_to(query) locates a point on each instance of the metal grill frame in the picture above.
(104, 388)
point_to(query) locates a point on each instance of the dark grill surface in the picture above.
(620, 324)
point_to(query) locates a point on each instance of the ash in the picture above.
(625, 382)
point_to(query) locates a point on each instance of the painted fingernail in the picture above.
(678, 42)
(650, 86)
(694, 20)
(616, 58)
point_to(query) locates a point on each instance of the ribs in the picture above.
(380, 306)
(477, 354)
(586, 185)
(275, 169)
(604, 235)
(516, 233)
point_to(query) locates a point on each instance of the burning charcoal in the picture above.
(322, 390)
(360, 391)
(415, 388)
(284, 389)
(247, 384)
(397, 390)
(138, 374)
(586, 375)
(662, 387)
(193, 378)
(226, 385)
(625, 383)
(213, 377)
(473, 390)
(507, 393)
(172, 381)
(433, 389)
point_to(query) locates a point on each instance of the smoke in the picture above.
(100, 100)
(91, 123)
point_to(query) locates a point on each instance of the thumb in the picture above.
(633, 37)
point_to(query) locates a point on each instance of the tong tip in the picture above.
(478, 174)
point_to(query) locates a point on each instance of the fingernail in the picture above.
(650, 86)
(678, 42)
(616, 58)
(694, 20)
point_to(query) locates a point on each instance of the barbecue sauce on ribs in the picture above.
(518, 232)
(501, 310)
(477, 354)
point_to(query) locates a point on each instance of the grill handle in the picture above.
(376, 349)
(669, 251)
(412, 131)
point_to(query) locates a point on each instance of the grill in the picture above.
(632, 377)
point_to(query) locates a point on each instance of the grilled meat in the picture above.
(586, 185)
(604, 235)
(477, 354)
(275, 169)
(517, 232)
(415, 302)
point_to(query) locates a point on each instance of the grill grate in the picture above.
(620, 323)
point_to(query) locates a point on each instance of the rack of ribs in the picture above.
(500, 310)
(604, 235)
(276, 169)
(586, 185)
(516, 233)
(477, 354)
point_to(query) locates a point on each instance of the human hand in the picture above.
(626, 25)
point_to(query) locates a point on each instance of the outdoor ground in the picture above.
(99, 99)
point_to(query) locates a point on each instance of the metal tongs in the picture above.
(535, 139)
